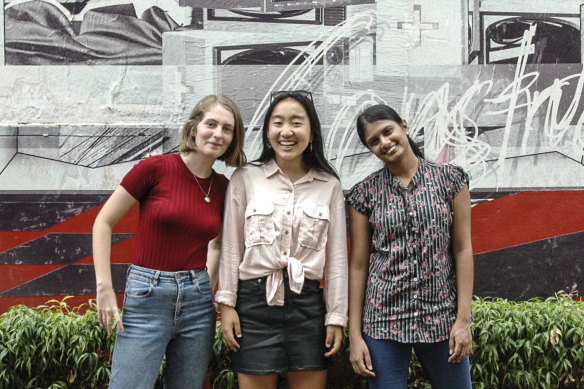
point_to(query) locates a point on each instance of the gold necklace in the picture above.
(207, 198)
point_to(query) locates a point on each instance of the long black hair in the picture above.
(313, 156)
(382, 112)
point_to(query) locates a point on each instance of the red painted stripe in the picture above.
(12, 239)
(526, 217)
(15, 275)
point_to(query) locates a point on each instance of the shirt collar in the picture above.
(422, 165)
(271, 168)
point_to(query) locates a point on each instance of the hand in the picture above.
(460, 341)
(230, 326)
(360, 358)
(107, 309)
(334, 340)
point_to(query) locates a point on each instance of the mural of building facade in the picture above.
(89, 87)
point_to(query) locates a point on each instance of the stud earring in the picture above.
(269, 145)
(311, 146)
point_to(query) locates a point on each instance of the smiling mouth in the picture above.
(287, 144)
(391, 149)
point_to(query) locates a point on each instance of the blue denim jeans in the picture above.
(168, 313)
(391, 361)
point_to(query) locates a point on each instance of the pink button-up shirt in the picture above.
(272, 224)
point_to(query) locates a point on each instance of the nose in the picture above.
(287, 130)
(385, 142)
(218, 131)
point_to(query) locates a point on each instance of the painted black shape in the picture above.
(276, 56)
(537, 269)
(555, 40)
(38, 211)
(72, 280)
(54, 249)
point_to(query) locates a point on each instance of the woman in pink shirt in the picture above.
(284, 231)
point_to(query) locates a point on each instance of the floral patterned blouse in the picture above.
(411, 289)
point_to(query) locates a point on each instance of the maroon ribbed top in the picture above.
(175, 224)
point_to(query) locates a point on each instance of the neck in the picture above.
(293, 169)
(405, 169)
(200, 166)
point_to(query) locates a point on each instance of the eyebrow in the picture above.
(295, 116)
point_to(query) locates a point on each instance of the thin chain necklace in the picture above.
(207, 198)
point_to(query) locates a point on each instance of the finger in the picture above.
(451, 344)
(228, 333)
(367, 368)
(237, 328)
(367, 360)
(358, 367)
(118, 319)
(456, 355)
(108, 325)
(330, 336)
(336, 346)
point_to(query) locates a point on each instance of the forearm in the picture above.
(357, 282)
(336, 273)
(102, 234)
(464, 284)
(213, 255)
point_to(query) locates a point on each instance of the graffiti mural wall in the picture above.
(89, 87)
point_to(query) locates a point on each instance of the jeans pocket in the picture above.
(138, 287)
(203, 283)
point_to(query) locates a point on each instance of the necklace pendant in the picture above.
(207, 199)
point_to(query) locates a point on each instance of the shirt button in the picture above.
(415, 280)
(415, 296)
(285, 253)
(288, 213)
(286, 232)
(415, 313)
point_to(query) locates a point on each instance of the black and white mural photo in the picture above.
(90, 87)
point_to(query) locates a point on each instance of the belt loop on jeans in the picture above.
(193, 275)
(156, 278)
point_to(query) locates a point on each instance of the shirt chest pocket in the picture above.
(259, 224)
(314, 226)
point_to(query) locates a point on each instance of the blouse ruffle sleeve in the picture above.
(358, 198)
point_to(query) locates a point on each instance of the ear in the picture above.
(405, 127)
(193, 128)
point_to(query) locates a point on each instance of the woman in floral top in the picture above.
(411, 267)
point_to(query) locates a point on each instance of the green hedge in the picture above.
(532, 344)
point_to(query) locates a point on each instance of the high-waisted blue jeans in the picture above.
(168, 313)
(391, 360)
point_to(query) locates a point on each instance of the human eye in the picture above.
(373, 142)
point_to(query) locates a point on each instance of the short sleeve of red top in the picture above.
(175, 224)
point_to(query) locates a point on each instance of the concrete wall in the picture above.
(87, 88)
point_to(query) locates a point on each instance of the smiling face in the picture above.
(214, 133)
(388, 140)
(289, 132)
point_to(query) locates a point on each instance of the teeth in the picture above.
(287, 143)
